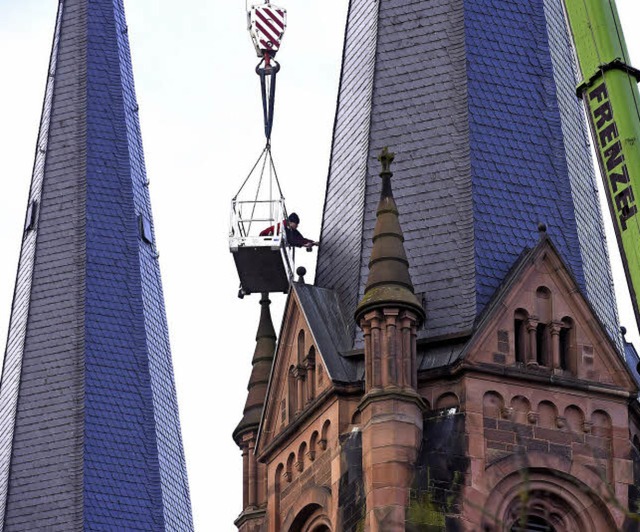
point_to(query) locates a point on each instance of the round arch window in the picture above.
(533, 523)
(540, 511)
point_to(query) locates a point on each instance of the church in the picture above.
(458, 362)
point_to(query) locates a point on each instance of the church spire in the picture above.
(254, 473)
(389, 282)
(262, 361)
(90, 436)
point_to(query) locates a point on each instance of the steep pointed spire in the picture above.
(389, 282)
(469, 195)
(262, 361)
(89, 431)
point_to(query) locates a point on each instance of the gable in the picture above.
(299, 373)
(542, 323)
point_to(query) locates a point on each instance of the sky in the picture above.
(201, 122)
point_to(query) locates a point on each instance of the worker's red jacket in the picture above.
(294, 238)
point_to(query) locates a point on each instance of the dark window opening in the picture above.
(564, 348)
(519, 337)
(293, 394)
(542, 344)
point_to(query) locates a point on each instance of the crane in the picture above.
(264, 261)
(609, 91)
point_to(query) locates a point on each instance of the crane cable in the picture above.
(266, 157)
(267, 151)
(266, 24)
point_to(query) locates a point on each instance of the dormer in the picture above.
(542, 336)
(307, 360)
(539, 323)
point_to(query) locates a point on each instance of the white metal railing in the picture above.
(250, 218)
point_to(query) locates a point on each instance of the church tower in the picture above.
(468, 369)
(479, 97)
(90, 433)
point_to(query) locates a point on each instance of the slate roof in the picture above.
(90, 436)
(476, 99)
(325, 317)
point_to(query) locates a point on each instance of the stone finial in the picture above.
(301, 271)
(386, 158)
(262, 361)
(542, 230)
(389, 283)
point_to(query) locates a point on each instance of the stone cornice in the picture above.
(525, 376)
(250, 515)
(398, 394)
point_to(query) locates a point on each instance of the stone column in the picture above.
(532, 329)
(298, 374)
(252, 475)
(309, 366)
(555, 328)
(392, 423)
(389, 315)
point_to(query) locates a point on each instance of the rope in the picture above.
(273, 167)
(255, 199)
(250, 173)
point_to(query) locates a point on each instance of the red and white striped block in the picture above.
(267, 25)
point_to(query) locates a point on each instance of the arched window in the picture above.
(520, 408)
(293, 393)
(543, 344)
(311, 518)
(533, 523)
(575, 418)
(277, 484)
(448, 404)
(492, 405)
(543, 304)
(310, 366)
(520, 335)
(324, 435)
(543, 338)
(311, 453)
(288, 472)
(300, 347)
(540, 511)
(302, 451)
(547, 415)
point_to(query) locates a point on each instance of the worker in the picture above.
(294, 238)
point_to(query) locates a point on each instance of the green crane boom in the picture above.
(610, 93)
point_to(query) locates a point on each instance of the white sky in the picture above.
(201, 122)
